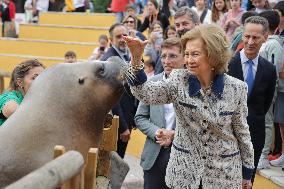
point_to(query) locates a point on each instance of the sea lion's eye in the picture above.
(81, 80)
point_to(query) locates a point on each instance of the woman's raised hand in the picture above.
(136, 47)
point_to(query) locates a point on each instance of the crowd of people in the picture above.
(208, 91)
(204, 127)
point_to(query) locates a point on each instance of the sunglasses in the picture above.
(130, 21)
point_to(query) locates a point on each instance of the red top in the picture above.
(119, 5)
(12, 10)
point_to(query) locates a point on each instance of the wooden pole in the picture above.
(91, 169)
(2, 75)
(109, 139)
(52, 174)
(1, 84)
(109, 143)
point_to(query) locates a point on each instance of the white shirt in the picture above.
(121, 54)
(245, 67)
(207, 18)
(169, 114)
(42, 5)
(78, 3)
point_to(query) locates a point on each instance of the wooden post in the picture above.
(91, 169)
(73, 183)
(58, 151)
(109, 143)
(52, 174)
(110, 135)
(1, 84)
(2, 75)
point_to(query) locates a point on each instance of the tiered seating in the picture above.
(45, 48)
(53, 36)
(61, 33)
(77, 19)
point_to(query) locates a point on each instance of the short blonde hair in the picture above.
(216, 43)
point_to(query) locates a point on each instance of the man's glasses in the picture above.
(128, 21)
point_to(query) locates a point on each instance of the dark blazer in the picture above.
(259, 100)
(127, 105)
(110, 52)
(263, 89)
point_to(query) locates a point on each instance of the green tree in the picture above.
(100, 6)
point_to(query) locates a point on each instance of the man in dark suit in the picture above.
(260, 75)
(126, 107)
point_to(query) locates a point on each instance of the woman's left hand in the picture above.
(247, 184)
(136, 47)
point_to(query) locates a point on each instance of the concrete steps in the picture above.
(77, 19)
(275, 174)
(62, 33)
(45, 48)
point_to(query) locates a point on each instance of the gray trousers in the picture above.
(269, 122)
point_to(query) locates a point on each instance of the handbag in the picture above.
(9, 29)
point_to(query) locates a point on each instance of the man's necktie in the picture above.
(250, 77)
(126, 58)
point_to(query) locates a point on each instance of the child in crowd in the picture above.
(260, 5)
(21, 79)
(219, 8)
(149, 66)
(101, 50)
(232, 19)
(279, 103)
(203, 12)
(70, 57)
(153, 47)
(170, 32)
(271, 50)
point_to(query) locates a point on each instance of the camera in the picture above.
(102, 49)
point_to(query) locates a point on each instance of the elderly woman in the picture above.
(212, 146)
(22, 77)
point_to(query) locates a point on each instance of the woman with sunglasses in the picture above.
(130, 22)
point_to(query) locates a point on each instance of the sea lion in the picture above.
(66, 105)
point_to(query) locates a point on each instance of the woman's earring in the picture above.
(212, 69)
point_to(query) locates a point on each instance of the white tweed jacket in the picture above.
(212, 141)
